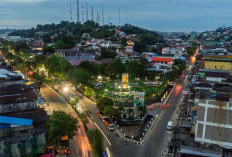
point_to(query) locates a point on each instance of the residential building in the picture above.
(75, 55)
(214, 114)
(161, 64)
(22, 121)
(217, 61)
(177, 52)
(213, 76)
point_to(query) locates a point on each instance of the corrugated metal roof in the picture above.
(15, 121)
(162, 59)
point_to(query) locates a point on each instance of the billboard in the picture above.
(139, 99)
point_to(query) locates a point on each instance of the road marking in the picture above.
(77, 150)
(108, 152)
(103, 134)
(85, 113)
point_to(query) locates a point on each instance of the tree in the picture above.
(104, 102)
(89, 92)
(48, 49)
(137, 68)
(47, 38)
(105, 53)
(96, 139)
(115, 68)
(59, 125)
(111, 111)
(9, 56)
(191, 50)
(139, 47)
(92, 68)
(149, 38)
(21, 46)
(58, 65)
(124, 42)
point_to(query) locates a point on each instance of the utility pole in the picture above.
(78, 11)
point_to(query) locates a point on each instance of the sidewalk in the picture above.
(164, 102)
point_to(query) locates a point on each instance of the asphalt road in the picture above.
(79, 144)
(157, 138)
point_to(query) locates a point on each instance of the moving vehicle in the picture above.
(169, 127)
(100, 114)
(109, 124)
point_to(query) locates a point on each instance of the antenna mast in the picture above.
(82, 13)
(92, 13)
(78, 11)
(126, 15)
(103, 16)
(119, 16)
(70, 12)
(86, 7)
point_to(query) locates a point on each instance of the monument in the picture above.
(125, 78)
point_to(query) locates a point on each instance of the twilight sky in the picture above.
(160, 15)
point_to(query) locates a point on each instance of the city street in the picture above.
(79, 145)
(156, 139)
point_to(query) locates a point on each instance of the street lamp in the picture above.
(66, 89)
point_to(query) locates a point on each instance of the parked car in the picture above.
(109, 124)
(100, 114)
(169, 127)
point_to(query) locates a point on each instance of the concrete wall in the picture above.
(218, 65)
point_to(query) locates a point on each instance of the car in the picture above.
(169, 127)
(103, 119)
(100, 114)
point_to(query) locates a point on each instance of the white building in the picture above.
(161, 64)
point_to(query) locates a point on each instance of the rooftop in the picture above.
(15, 121)
(162, 59)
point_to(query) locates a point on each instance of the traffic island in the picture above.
(140, 129)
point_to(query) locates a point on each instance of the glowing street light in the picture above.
(66, 89)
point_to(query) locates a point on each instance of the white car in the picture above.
(169, 127)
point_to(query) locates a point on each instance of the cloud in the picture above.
(16, 23)
(21, 1)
